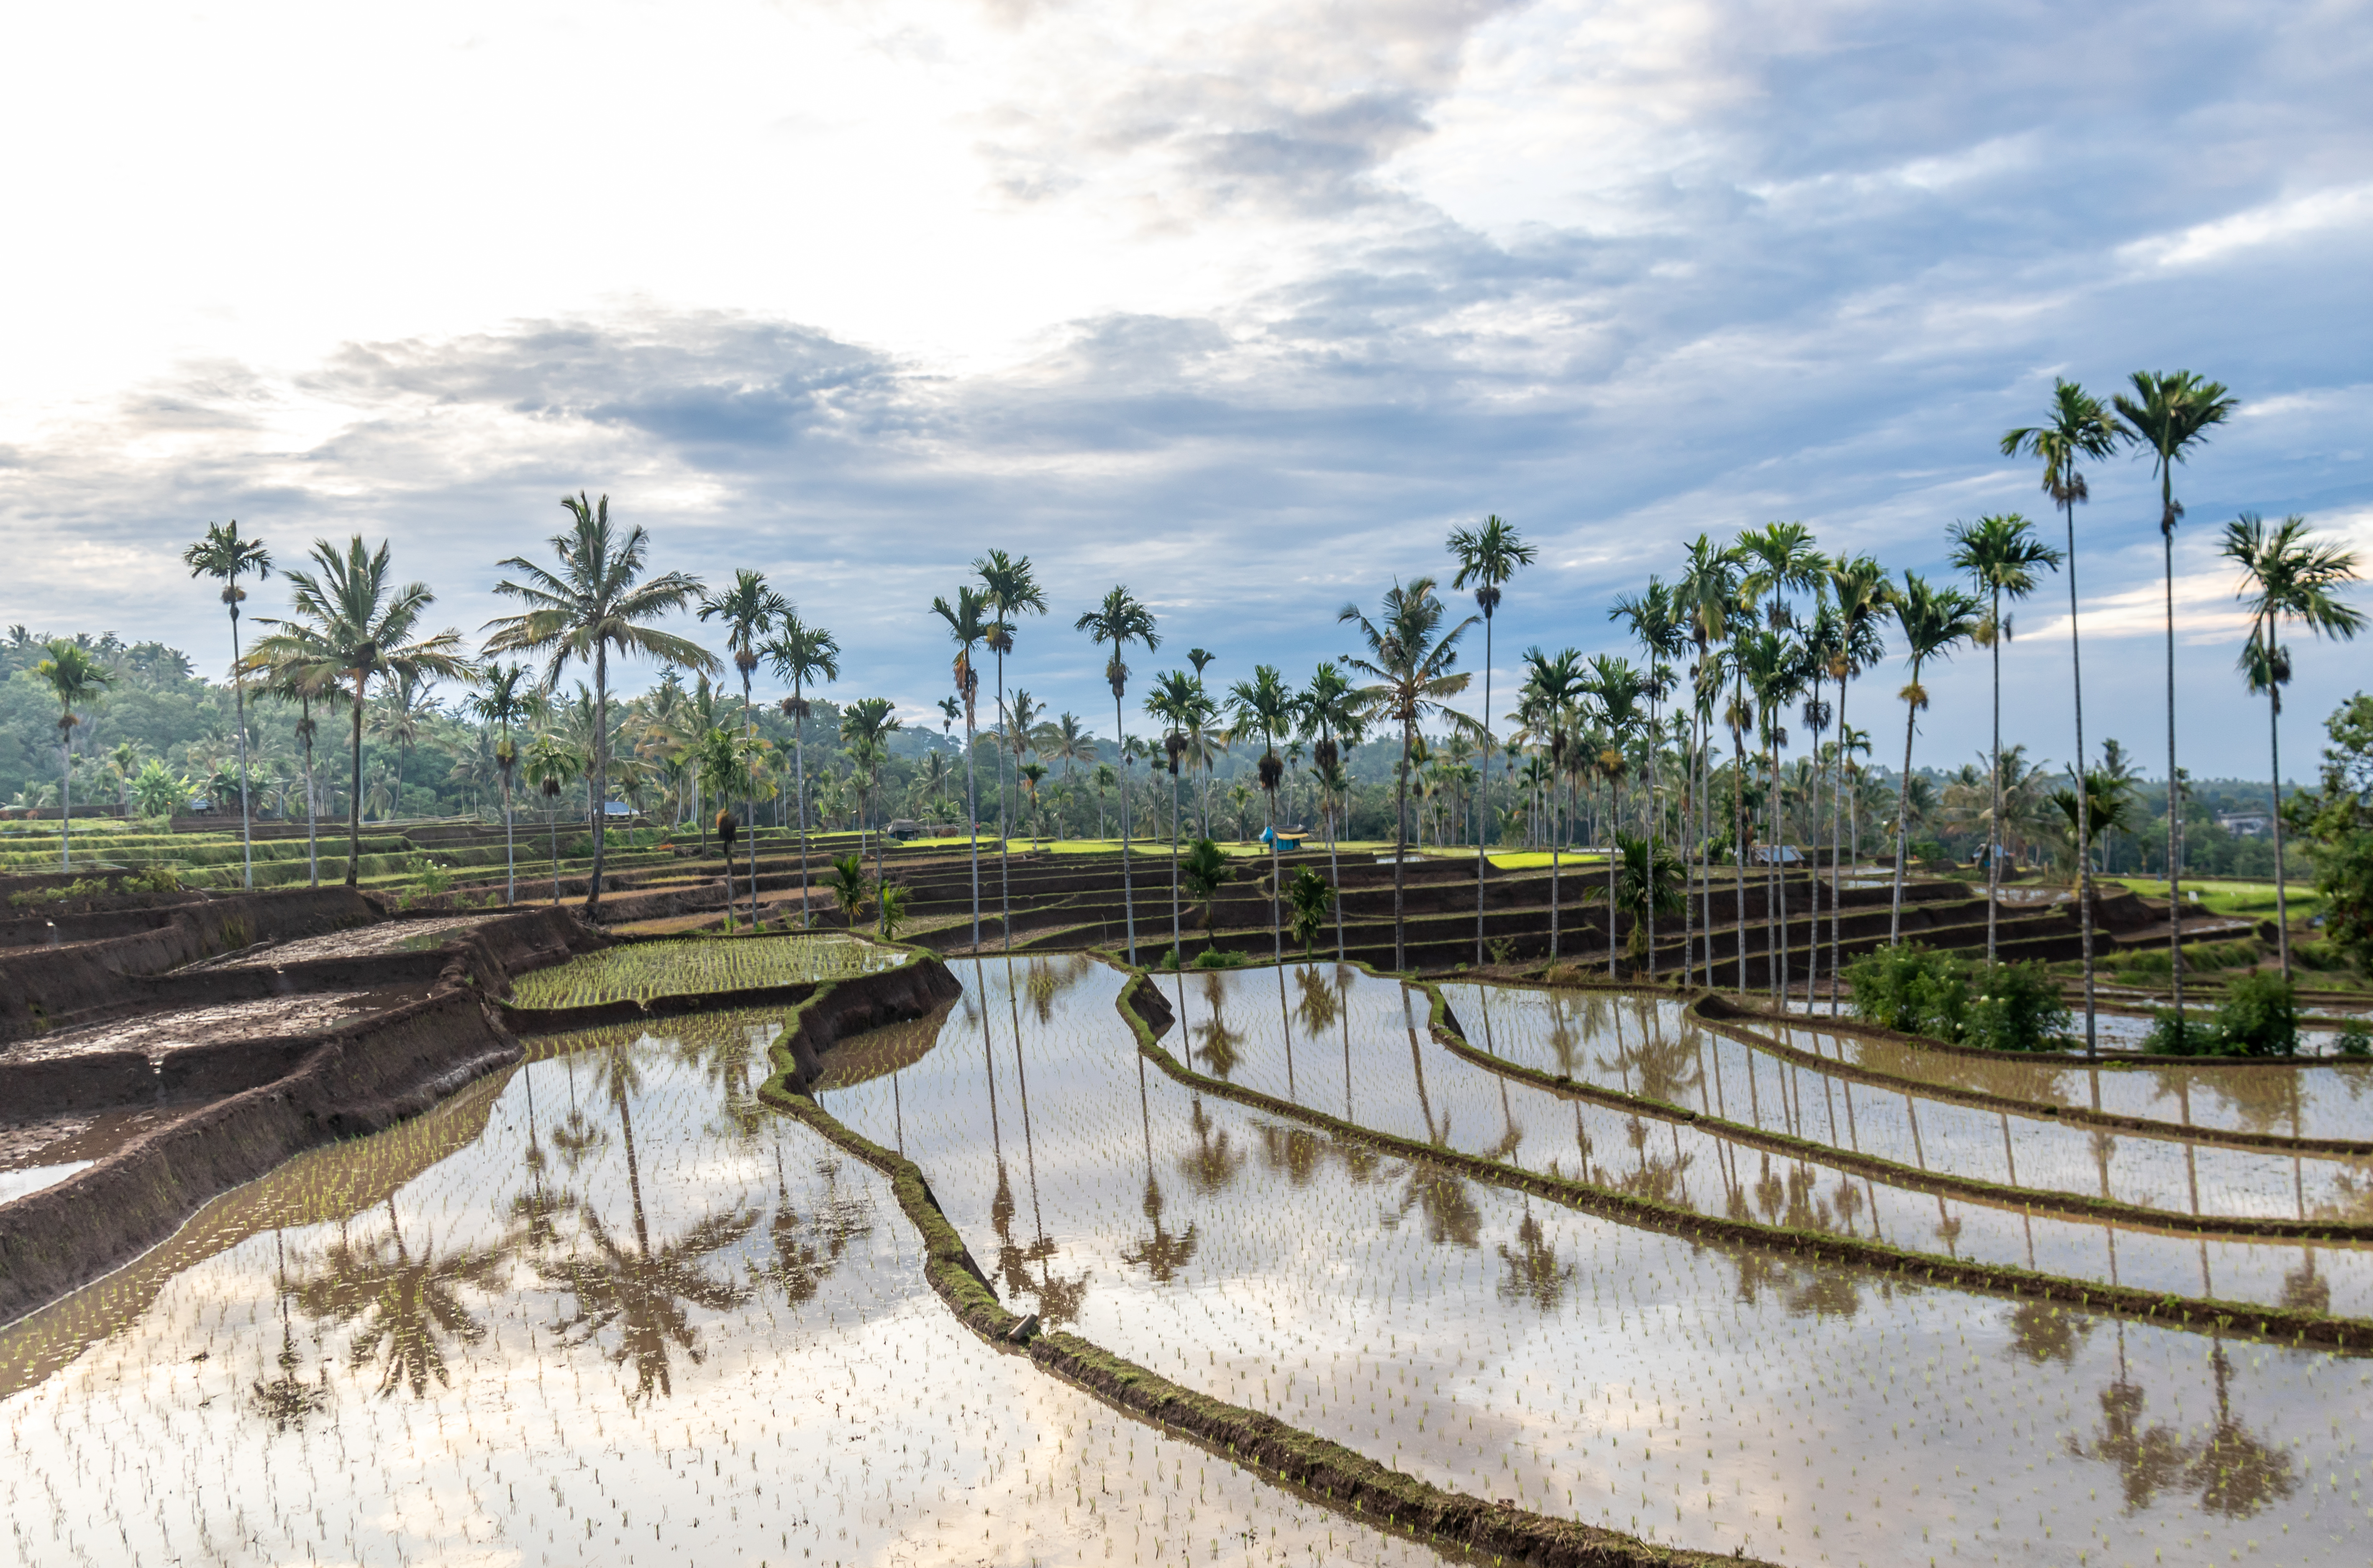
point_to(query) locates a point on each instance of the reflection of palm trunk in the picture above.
(1285, 1024)
(1417, 1060)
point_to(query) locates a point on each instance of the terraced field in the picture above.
(693, 966)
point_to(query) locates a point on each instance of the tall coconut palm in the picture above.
(1935, 621)
(866, 727)
(2171, 414)
(2285, 576)
(748, 611)
(1554, 689)
(1011, 590)
(2079, 429)
(1265, 706)
(290, 674)
(1656, 623)
(2000, 553)
(224, 555)
(502, 702)
(1862, 592)
(1489, 555)
(596, 601)
(351, 622)
(74, 679)
(1331, 714)
(801, 654)
(1617, 692)
(1120, 620)
(1779, 561)
(1413, 665)
(1173, 700)
(1706, 598)
(969, 624)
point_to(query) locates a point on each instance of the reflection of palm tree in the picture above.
(807, 1250)
(1162, 1255)
(1214, 1160)
(2236, 1472)
(2043, 1332)
(406, 1300)
(286, 1400)
(1533, 1272)
(1219, 1041)
(1451, 1214)
(638, 1291)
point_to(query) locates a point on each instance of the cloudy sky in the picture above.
(1243, 305)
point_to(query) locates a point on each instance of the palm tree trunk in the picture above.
(1400, 853)
(66, 794)
(1483, 789)
(1613, 849)
(1128, 889)
(2274, 743)
(1275, 887)
(238, 697)
(1654, 822)
(1775, 876)
(1837, 887)
(2084, 801)
(1738, 826)
(1335, 871)
(601, 778)
(1994, 830)
(800, 761)
(2174, 786)
(972, 810)
(312, 801)
(355, 800)
(1177, 929)
(1903, 813)
(1004, 829)
(511, 852)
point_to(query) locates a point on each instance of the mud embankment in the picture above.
(261, 1102)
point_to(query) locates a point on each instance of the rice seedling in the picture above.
(1709, 1397)
(599, 1310)
(693, 966)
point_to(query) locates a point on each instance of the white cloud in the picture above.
(2282, 221)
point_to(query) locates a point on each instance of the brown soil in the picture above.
(157, 1034)
(359, 942)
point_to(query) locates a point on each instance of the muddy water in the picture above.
(1650, 1047)
(603, 1310)
(2321, 1099)
(1712, 1397)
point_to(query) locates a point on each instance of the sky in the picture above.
(1243, 305)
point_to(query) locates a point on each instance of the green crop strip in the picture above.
(643, 971)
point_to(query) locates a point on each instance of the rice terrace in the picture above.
(1568, 782)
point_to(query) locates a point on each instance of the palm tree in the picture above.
(866, 727)
(1705, 600)
(598, 600)
(969, 626)
(1863, 592)
(1173, 700)
(1488, 556)
(2080, 428)
(749, 610)
(1120, 620)
(1781, 558)
(1657, 622)
(1011, 589)
(351, 623)
(501, 700)
(800, 653)
(2171, 414)
(1265, 706)
(1553, 688)
(2000, 553)
(1331, 718)
(1934, 619)
(722, 769)
(1412, 663)
(552, 766)
(291, 675)
(404, 719)
(223, 554)
(74, 677)
(1618, 691)
(2285, 576)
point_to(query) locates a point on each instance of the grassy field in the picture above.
(2249, 900)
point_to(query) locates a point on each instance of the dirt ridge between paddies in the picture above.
(358, 1077)
(2194, 1313)
(1727, 1019)
(2037, 1199)
(1315, 1466)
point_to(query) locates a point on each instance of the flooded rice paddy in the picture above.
(1714, 1397)
(696, 966)
(605, 1309)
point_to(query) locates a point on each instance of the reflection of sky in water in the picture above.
(1514, 1349)
(600, 1308)
(2319, 1099)
(1651, 1048)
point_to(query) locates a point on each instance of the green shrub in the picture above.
(2355, 1039)
(435, 879)
(2258, 1016)
(1919, 990)
(1221, 959)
